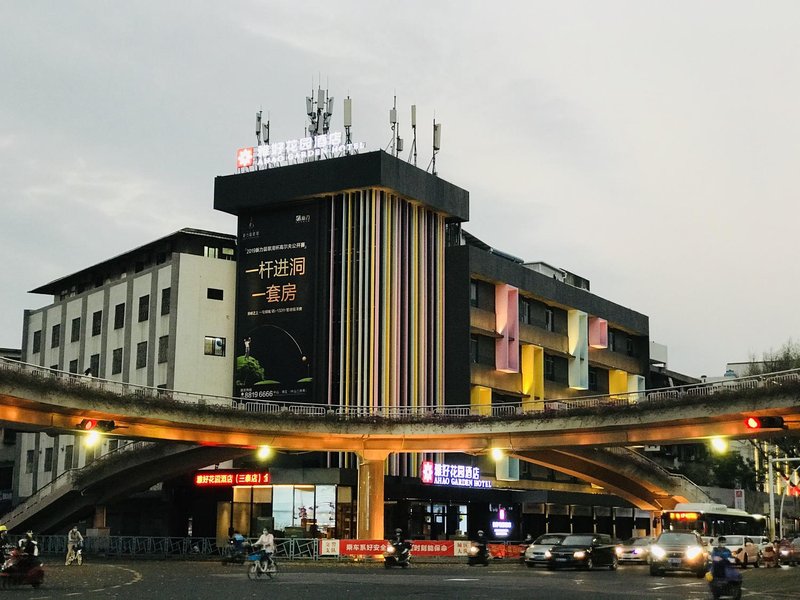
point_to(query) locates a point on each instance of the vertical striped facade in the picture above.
(386, 305)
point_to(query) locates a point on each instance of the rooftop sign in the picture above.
(229, 478)
(318, 147)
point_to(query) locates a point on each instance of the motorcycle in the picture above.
(478, 554)
(21, 569)
(727, 586)
(398, 554)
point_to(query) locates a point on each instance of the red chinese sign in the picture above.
(356, 547)
(223, 478)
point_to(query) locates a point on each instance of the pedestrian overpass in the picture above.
(588, 437)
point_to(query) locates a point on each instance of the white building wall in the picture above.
(115, 338)
(198, 317)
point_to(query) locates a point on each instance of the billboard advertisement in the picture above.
(275, 304)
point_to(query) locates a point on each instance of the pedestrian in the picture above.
(74, 546)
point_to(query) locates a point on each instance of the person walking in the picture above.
(74, 546)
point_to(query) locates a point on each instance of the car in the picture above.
(789, 552)
(678, 551)
(635, 550)
(534, 554)
(583, 551)
(743, 549)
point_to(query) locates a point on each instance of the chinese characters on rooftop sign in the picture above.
(454, 475)
(228, 478)
(293, 151)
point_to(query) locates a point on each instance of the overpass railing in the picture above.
(524, 406)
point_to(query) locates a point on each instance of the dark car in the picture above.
(678, 551)
(583, 551)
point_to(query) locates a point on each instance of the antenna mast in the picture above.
(348, 121)
(414, 133)
(319, 108)
(437, 143)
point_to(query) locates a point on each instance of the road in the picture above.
(195, 580)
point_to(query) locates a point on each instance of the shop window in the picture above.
(37, 341)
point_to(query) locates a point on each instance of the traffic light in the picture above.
(95, 424)
(764, 423)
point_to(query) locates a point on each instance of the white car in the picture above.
(743, 548)
(534, 554)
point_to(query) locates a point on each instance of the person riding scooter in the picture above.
(478, 553)
(398, 551)
(723, 579)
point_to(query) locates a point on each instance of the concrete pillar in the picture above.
(370, 495)
(99, 517)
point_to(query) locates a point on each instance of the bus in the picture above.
(711, 520)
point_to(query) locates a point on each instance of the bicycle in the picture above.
(75, 554)
(262, 565)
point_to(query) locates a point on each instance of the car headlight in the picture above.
(693, 552)
(784, 552)
(579, 554)
(389, 549)
(548, 554)
(658, 552)
(618, 550)
(473, 550)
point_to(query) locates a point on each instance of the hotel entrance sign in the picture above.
(453, 475)
(326, 145)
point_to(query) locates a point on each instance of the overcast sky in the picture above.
(650, 147)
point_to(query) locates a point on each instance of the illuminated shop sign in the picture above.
(502, 526)
(317, 147)
(453, 475)
(226, 478)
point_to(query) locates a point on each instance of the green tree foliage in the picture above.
(248, 371)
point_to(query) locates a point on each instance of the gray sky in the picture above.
(649, 147)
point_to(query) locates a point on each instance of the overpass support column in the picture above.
(99, 517)
(370, 494)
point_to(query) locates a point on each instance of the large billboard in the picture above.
(275, 303)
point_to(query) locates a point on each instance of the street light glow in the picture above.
(91, 439)
(263, 452)
(719, 445)
(498, 454)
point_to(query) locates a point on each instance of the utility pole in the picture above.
(772, 494)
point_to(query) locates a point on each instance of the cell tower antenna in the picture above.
(393, 122)
(258, 128)
(348, 121)
(437, 144)
(265, 131)
(413, 152)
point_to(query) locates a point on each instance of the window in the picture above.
(55, 336)
(549, 324)
(116, 361)
(593, 380)
(97, 322)
(144, 308)
(612, 340)
(165, 299)
(473, 293)
(76, 330)
(94, 365)
(629, 347)
(524, 311)
(214, 346)
(113, 445)
(141, 355)
(214, 294)
(37, 341)
(549, 368)
(48, 460)
(210, 252)
(73, 366)
(119, 316)
(69, 452)
(90, 455)
(29, 462)
(473, 348)
(163, 346)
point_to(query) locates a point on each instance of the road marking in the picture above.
(462, 579)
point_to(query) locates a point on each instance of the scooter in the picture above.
(727, 587)
(478, 554)
(235, 554)
(21, 569)
(398, 554)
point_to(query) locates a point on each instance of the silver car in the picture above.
(635, 550)
(534, 554)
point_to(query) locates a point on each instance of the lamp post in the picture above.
(783, 496)
(772, 493)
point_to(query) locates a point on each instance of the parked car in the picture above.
(678, 551)
(743, 548)
(535, 553)
(583, 551)
(635, 550)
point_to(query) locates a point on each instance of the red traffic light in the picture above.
(764, 422)
(89, 424)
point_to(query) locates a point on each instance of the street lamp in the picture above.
(783, 496)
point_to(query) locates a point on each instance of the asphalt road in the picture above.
(167, 580)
